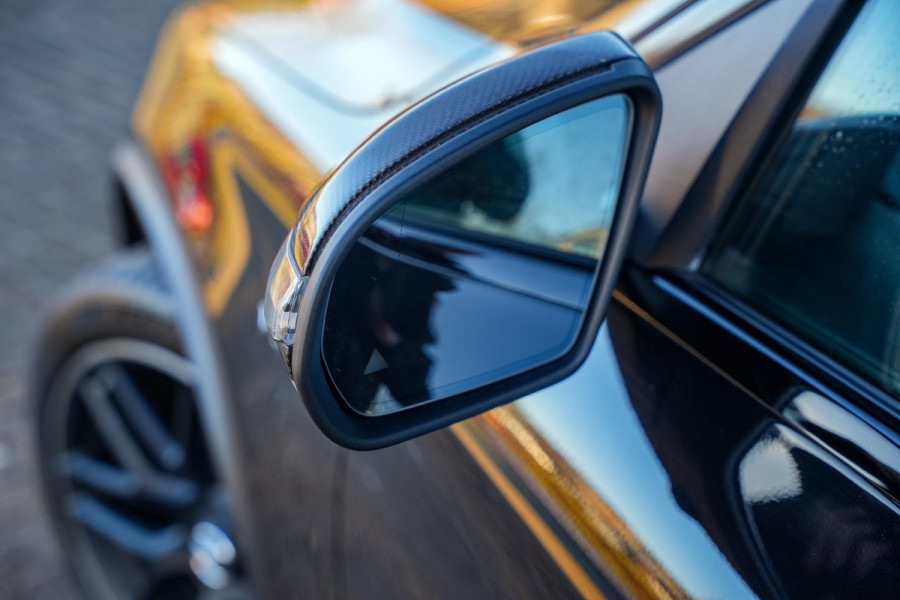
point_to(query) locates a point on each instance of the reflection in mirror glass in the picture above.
(482, 272)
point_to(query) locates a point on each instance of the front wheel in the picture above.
(127, 472)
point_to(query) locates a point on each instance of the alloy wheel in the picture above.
(130, 477)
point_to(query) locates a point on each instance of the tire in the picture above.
(126, 471)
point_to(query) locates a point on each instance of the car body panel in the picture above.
(328, 77)
(637, 477)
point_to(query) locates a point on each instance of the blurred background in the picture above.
(69, 73)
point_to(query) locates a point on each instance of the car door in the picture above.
(806, 269)
(733, 431)
(791, 301)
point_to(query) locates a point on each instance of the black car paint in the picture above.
(706, 381)
(837, 532)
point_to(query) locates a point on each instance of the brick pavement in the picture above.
(69, 73)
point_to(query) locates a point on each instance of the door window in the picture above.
(816, 244)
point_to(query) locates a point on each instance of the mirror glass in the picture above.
(482, 272)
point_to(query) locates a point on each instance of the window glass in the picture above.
(816, 244)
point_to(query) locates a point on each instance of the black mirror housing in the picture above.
(415, 147)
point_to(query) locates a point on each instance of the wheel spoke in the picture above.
(110, 426)
(167, 490)
(143, 542)
(176, 492)
(143, 419)
(99, 476)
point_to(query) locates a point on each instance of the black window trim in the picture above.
(817, 364)
(759, 357)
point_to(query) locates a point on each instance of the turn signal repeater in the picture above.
(283, 293)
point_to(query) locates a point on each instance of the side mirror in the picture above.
(466, 253)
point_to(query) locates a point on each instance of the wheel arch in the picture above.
(145, 215)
